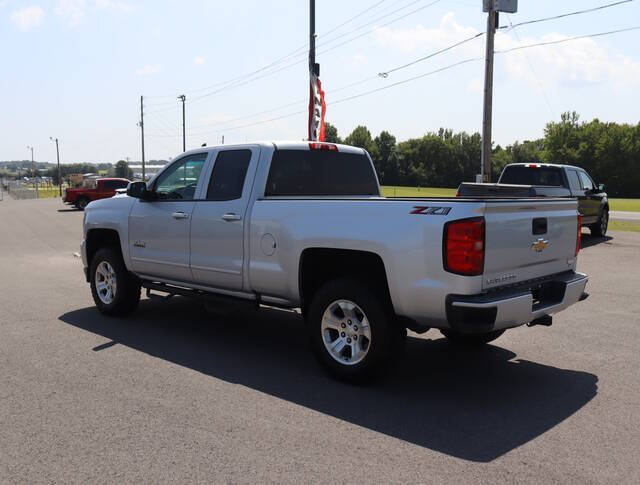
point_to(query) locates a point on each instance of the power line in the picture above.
(295, 53)
(569, 14)
(433, 54)
(243, 81)
(414, 78)
(354, 17)
(568, 39)
(533, 71)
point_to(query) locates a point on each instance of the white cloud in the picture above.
(198, 61)
(27, 18)
(579, 61)
(114, 4)
(475, 86)
(448, 32)
(72, 11)
(215, 119)
(358, 60)
(149, 70)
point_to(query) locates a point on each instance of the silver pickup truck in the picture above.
(300, 225)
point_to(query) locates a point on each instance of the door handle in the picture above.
(180, 215)
(231, 217)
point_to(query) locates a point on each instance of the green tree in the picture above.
(122, 170)
(360, 137)
(331, 133)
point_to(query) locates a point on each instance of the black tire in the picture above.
(599, 229)
(82, 203)
(471, 339)
(385, 337)
(127, 289)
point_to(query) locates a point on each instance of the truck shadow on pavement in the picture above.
(588, 240)
(472, 404)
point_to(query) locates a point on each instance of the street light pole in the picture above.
(141, 125)
(182, 97)
(33, 172)
(59, 173)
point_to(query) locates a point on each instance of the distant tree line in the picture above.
(610, 152)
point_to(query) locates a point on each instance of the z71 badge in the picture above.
(430, 211)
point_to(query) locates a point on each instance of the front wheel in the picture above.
(471, 339)
(352, 331)
(82, 203)
(113, 289)
(600, 228)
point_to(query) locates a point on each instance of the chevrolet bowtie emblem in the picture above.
(539, 245)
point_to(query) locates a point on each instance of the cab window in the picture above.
(574, 180)
(179, 181)
(587, 184)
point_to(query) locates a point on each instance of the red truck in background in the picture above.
(94, 189)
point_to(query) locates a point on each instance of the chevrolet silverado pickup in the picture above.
(302, 226)
(94, 189)
(549, 180)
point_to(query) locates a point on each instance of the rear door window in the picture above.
(304, 173)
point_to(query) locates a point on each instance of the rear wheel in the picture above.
(471, 339)
(82, 202)
(113, 289)
(352, 330)
(600, 228)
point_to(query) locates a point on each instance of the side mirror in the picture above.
(601, 187)
(139, 191)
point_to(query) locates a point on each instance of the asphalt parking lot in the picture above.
(174, 393)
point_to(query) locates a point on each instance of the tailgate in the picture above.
(529, 239)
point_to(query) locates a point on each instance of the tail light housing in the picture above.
(579, 234)
(463, 246)
(329, 147)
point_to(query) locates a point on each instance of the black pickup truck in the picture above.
(549, 180)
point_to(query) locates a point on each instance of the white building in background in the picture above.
(150, 170)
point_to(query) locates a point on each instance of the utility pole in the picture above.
(182, 97)
(492, 7)
(141, 125)
(33, 172)
(492, 20)
(59, 173)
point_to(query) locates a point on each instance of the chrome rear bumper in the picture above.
(512, 307)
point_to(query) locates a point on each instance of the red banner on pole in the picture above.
(317, 109)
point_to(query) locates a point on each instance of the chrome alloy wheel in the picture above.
(346, 332)
(106, 283)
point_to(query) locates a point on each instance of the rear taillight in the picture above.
(323, 146)
(463, 251)
(579, 235)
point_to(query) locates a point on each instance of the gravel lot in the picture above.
(174, 393)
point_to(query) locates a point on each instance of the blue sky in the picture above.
(75, 69)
